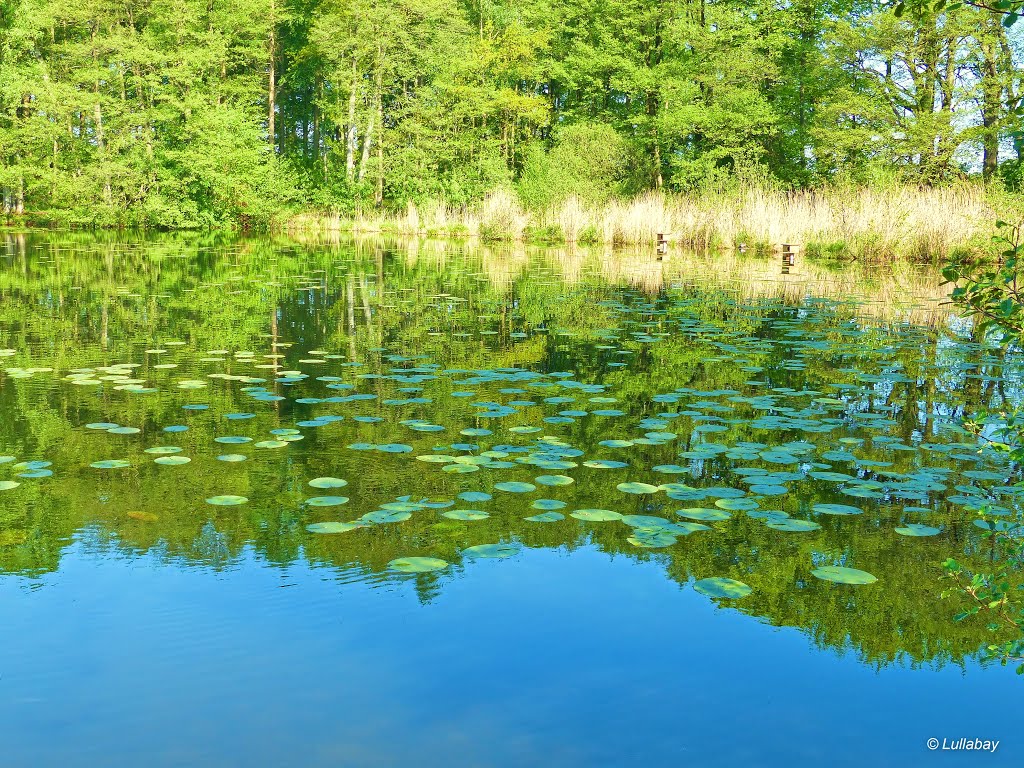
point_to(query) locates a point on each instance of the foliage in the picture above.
(995, 595)
(197, 114)
(588, 161)
(992, 294)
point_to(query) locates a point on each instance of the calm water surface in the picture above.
(576, 441)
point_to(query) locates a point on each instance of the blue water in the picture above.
(548, 658)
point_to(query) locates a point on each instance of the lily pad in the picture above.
(836, 509)
(491, 550)
(841, 575)
(332, 527)
(554, 480)
(698, 513)
(111, 464)
(465, 514)
(722, 587)
(604, 464)
(172, 460)
(596, 515)
(546, 517)
(515, 487)
(548, 504)
(637, 488)
(326, 501)
(226, 501)
(793, 525)
(417, 564)
(328, 482)
(651, 539)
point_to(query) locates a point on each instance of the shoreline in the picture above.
(867, 224)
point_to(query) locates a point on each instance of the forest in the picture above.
(205, 113)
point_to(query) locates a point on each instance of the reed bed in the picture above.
(910, 222)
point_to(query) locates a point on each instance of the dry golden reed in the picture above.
(906, 222)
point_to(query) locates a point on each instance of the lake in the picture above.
(271, 502)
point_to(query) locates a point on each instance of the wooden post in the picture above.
(788, 252)
(662, 244)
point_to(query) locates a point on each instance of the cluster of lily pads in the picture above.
(836, 437)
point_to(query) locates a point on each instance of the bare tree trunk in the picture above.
(350, 139)
(379, 196)
(374, 115)
(98, 120)
(272, 78)
(316, 121)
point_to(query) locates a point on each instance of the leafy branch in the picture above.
(993, 293)
(994, 296)
(1009, 9)
(995, 596)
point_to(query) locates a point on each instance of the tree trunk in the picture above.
(272, 78)
(351, 136)
(379, 196)
(98, 121)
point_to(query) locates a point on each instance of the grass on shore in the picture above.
(901, 222)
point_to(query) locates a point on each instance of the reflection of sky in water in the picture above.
(146, 623)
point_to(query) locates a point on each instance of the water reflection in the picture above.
(530, 359)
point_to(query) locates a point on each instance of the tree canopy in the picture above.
(195, 113)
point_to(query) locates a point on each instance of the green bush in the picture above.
(588, 160)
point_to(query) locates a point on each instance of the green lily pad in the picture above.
(604, 464)
(172, 460)
(596, 515)
(841, 575)
(704, 514)
(836, 509)
(554, 480)
(417, 564)
(793, 525)
(736, 505)
(769, 490)
(721, 587)
(514, 487)
(8, 485)
(917, 529)
(226, 501)
(491, 550)
(548, 504)
(326, 501)
(465, 514)
(332, 527)
(637, 488)
(270, 444)
(111, 464)
(651, 539)
(546, 517)
(327, 482)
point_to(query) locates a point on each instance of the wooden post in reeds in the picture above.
(663, 241)
(788, 252)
